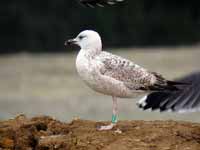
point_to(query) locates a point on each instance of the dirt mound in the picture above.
(46, 133)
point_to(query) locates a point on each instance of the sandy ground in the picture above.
(47, 84)
(45, 133)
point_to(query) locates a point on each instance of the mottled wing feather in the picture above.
(132, 75)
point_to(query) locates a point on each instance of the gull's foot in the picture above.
(108, 127)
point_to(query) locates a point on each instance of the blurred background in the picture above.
(38, 75)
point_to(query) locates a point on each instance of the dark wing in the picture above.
(163, 85)
(186, 99)
(101, 3)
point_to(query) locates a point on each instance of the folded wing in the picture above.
(133, 76)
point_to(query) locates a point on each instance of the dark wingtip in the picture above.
(187, 98)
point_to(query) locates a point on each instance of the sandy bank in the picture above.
(46, 133)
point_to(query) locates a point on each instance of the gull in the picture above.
(113, 75)
(101, 3)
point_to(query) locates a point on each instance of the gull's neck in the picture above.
(91, 52)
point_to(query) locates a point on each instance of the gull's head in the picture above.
(87, 39)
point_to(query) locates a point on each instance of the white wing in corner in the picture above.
(101, 3)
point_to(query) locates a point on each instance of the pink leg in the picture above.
(114, 116)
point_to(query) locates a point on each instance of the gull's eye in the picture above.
(81, 37)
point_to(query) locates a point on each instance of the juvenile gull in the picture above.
(113, 75)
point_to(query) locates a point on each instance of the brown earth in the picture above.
(46, 133)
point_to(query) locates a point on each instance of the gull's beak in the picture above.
(70, 42)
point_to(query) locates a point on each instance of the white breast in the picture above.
(88, 70)
(84, 67)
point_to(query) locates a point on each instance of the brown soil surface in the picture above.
(46, 133)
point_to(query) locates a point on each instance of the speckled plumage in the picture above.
(113, 75)
(132, 75)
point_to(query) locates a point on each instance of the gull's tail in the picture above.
(187, 98)
(101, 3)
